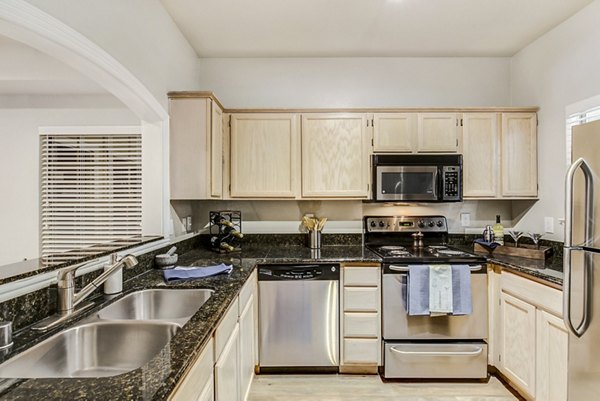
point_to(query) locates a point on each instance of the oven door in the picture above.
(407, 183)
(398, 325)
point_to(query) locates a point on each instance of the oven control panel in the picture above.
(406, 224)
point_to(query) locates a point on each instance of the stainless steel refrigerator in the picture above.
(581, 287)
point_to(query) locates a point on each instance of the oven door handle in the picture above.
(474, 352)
(405, 269)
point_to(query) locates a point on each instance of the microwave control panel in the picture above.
(452, 183)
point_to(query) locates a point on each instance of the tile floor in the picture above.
(371, 388)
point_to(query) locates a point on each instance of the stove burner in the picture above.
(450, 252)
(392, 248)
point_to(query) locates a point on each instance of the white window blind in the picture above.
(91, 193)
(576, 119)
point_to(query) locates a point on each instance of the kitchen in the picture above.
(308, 118)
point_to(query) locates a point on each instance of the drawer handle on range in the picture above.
(406, 269)
(476, 351)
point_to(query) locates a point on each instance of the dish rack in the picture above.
(225, 230)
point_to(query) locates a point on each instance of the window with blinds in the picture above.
(91, 193)
(576, 119)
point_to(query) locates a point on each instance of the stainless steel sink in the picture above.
(92, 350)
(169, 305)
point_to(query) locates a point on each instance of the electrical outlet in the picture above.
(465, 219)
(549, 225)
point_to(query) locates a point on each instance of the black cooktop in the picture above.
(438, 254)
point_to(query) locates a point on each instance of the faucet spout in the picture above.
(128, 262)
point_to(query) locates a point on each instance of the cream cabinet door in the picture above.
(335, 156)
(227, 375)
(247, 351)
(437, 133)
(480, 155)
(552, 351)
(517, 342)
(264, 155)
(394, 132)
(197, 384)
(195, 149)
(519, 154)
(216, 151)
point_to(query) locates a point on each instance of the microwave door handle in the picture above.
(436, 184)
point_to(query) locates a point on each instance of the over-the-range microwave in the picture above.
(417, 178)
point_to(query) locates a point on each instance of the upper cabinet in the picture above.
(480, 155)
(335, 156)
(196, 148)
(394, 132)
(303, 154)
(499, 155)
(519, 155)
(438, 133)
(416, 132)
(265, 150)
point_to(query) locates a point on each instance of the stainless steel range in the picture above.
(427, 346)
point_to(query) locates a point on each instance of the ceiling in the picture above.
(27, 71)
(363, 28)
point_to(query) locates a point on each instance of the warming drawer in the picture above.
(435, 360)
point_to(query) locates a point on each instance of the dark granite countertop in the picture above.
(549, 270)
(157, 379)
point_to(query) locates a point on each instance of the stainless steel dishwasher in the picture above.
(299, 317)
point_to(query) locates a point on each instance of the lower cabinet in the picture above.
(247, 347)
(227, 373)
(552, 358)
(530, 341)
(198, 382)
(225, 368)
(361, 318)
(518, 342)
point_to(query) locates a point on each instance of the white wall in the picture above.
(19, 167)
(357, 82)
(139, 34)
(559, 69)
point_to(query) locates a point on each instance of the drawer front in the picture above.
(226, 327)
(361, 350)
(361, 299)
(435, 361)
(358, 324)
(249, 288)
(361, 276)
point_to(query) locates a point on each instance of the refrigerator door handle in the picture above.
(589, 201)
(587, 293)
(589, 232)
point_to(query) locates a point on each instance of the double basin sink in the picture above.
(119, 338)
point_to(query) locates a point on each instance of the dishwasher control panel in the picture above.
(298, 272)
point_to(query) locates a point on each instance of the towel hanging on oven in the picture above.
(416, 291)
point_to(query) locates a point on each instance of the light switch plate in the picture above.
(465, 219)
(549, 225)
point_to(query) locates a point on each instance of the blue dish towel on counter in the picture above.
(190, 273)
(490, 246)
(416, 290)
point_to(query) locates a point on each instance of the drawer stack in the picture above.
(361, 318)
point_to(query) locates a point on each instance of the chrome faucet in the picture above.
(68, 299)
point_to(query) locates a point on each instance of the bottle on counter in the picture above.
(498, 229)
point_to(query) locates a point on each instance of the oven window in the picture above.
(407, 183)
